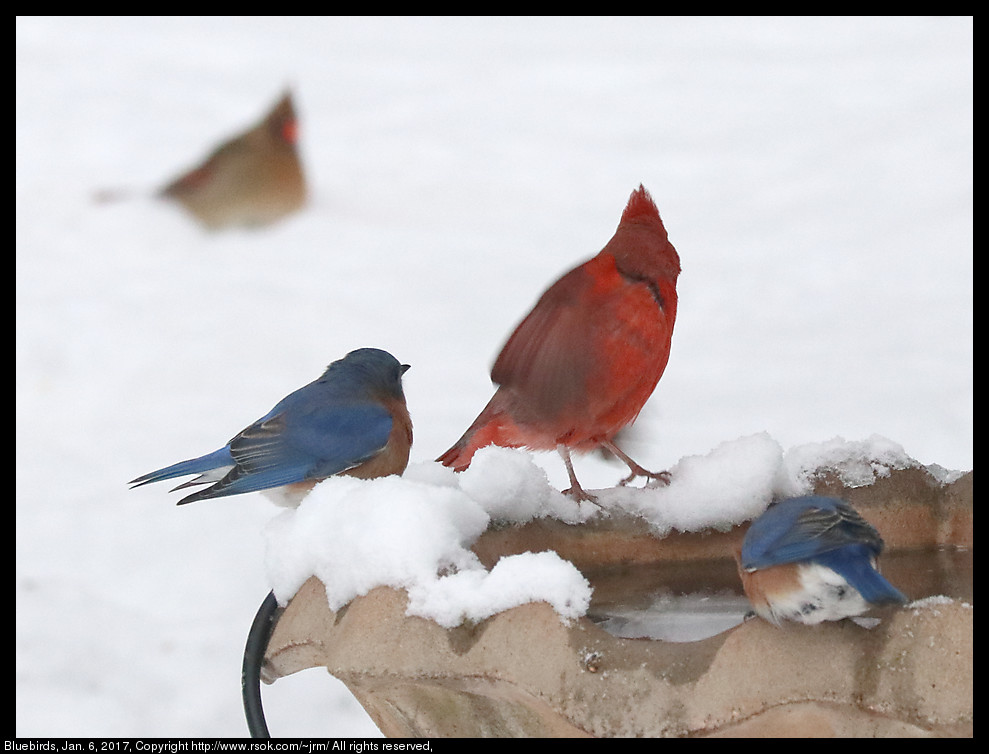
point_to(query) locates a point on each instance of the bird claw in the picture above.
(577, 493)
(652, 476)
(634, 468)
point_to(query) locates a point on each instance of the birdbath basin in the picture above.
(665, 649)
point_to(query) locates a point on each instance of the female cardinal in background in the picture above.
(584, 361)
(252, 179)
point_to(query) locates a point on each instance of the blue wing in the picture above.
(293, 446)
(803, 528)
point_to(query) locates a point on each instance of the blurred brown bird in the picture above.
(252, 179)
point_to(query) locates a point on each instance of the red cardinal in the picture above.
(584, 361)
(252, 179)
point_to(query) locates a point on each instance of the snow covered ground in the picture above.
(815, 176)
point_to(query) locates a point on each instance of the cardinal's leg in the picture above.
(637, 471)
(575, 491)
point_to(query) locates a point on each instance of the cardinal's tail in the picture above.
(458, 457)
(489, 428)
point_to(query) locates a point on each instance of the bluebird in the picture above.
(812, 559)
(353, 420)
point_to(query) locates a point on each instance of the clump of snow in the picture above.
(512, 487)
(356, 534)
(943, 475)
(857, 463)
(415, 532)
(936, 600)
(478, 594)
(732, 483)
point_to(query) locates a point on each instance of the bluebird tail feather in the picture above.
(855, 566)
(215, 460)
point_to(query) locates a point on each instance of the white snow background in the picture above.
(815, 175)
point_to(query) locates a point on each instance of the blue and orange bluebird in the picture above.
(811, 559)
(353, 421)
